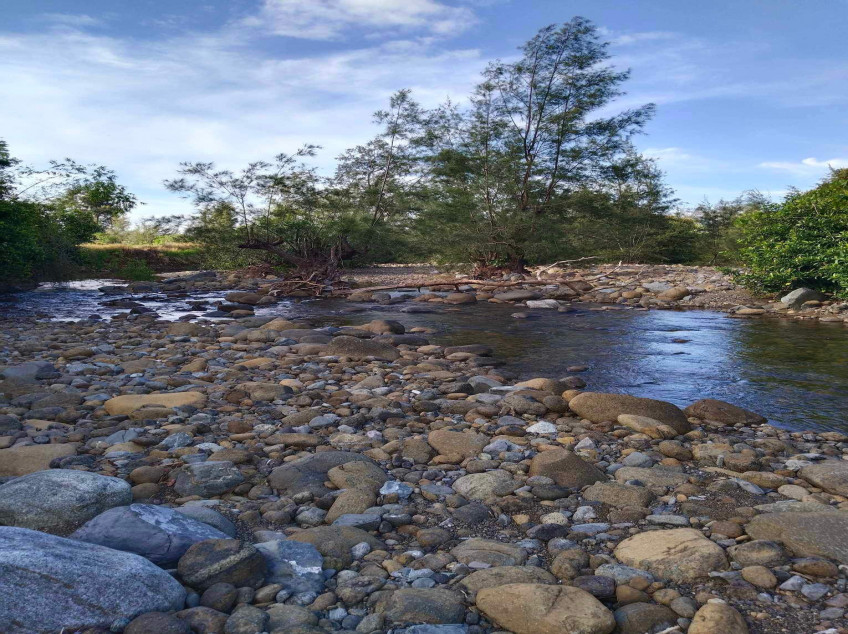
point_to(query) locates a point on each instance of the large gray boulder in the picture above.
(48, 583)
(157, 533)
(830, 475)
(796, 298)
(30, 372)
(817, 534)
(297, 566)
(59, 501)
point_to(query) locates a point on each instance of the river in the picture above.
(794, 373)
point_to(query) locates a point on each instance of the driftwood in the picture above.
(454, 283)
(550, 266)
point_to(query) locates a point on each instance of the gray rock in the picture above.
(830, 475)
(295, 565)
(309, 474)
(59, 501)
(157, 533)
(207, 479)
(794, 299)
(30, 372)
(422, 605)
(208, 516)
(48, 583)
(805, 534)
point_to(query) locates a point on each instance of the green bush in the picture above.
(801, 241)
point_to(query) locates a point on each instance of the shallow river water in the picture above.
(794, 373)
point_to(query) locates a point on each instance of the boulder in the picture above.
(517, 295)
(619, 495)
(830, 475)
(334, 543)
(531, 608)
(49, 583)
(712, 410)
(600, 407)
(565, 468)
(59, 501)
(489, 551)
(214, 561)
(817, 534)
(482, 486)
(128, 403)
(638, 618)
(157, 533)
(503, 575)
(795, 299)
(297, 566)
(18, 461)
(681, 554)
(422, 605)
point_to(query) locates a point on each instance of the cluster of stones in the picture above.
(264, 476)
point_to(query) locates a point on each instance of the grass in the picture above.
(137, 261)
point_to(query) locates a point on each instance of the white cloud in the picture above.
(806, 167)
(329, 19)
(141, 107)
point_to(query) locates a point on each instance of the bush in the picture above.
(802, 241)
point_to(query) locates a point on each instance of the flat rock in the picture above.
(18, 461)
(222, 561)
(465, 444)
(49, 583)
(600, 407)
(565, 468)
(157, 533)
(619, 495)
(681, 554)
(490, 552)
(128, 403)
(334, 543)
(817, 534)
(297, 566)
(830, 475)
(712, 410)
(482, 486)
(422, 605)
(654, 476)
(638, 618)
(355, 348)
(59, 501)
(530, 608)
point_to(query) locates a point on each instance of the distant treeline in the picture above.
(528, 169)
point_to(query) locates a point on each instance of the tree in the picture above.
(801, 241)
(717, 222)
(532, 137)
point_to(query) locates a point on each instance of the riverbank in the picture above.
(301, 479)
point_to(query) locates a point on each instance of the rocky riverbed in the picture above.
(259, 475)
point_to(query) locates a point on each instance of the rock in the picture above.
(619, 495)
(674, 294)
(297, 566)
(158, 622)
(246, 619)
(203, 620)
(489, 552)
(464, 444)
(309, 474)
(128, 403)
(219, 596)
(517, 295)
(712, 410)
(208, 516)
(59, 501)
(335, 542)
(260, 391)
(422, 605)
(647, 426)
(482, 486)
(759, 576)
(21, 460)
(222, 561)
(717, 617)
(157, 533)
(795, 299)
(830, 475)
(565, 468)
(758, 552)
(600, 407)
(460, 298)
(362, 475)
(290, 619)
(681, 554)
(207, 479)
(503, 575)
(355, 348)
(816, 534)
(30, 372)
(50, 583)
(638, 618)
(657, 476)
(529, 608)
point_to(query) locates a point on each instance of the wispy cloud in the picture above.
(806, 167)
(329, 19)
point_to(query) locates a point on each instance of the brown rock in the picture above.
(600, 407)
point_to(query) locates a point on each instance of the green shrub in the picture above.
(801, 241)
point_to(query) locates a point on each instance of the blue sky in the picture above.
(750, 94)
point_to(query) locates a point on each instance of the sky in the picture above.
(750, 94)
